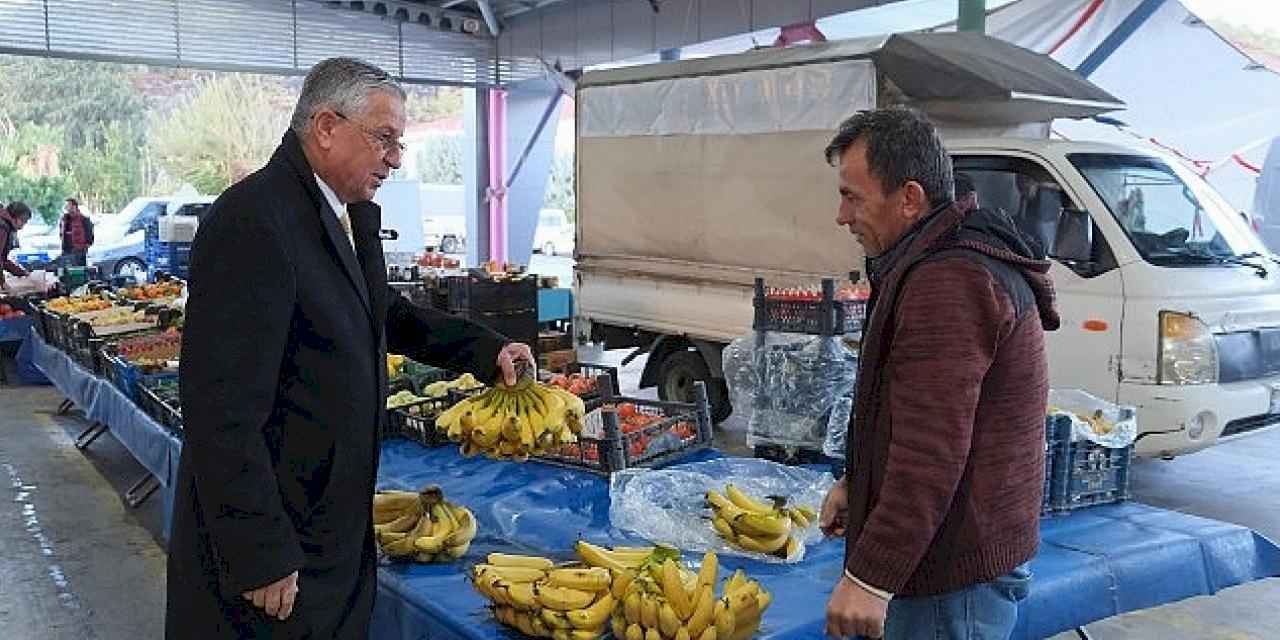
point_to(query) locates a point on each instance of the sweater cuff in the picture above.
(883, 567)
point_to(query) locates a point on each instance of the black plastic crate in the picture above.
(825, 317)
(652, 445)
(478, 294)
(417, 421)
(158, 399)
(1086, 474)
(517, 326)
(1057, 436)
(798, 456)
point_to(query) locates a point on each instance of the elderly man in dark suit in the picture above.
(284, 376)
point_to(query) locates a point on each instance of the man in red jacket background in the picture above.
(77, 233)
(940, 508)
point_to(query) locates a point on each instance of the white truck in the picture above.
(696, 176)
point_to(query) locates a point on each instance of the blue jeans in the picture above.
(986, 611)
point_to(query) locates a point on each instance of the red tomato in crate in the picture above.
(627, 411)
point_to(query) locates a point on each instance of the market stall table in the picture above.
(12, 331)
(1093, 564)
(155, 447)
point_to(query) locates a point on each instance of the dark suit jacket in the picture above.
(283, 389)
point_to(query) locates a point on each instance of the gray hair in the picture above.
(902, 145)
(343, 85)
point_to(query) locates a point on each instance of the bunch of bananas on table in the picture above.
(543, 600)
(512, 423)
(666, 601)
(750, 524)
(422, 526)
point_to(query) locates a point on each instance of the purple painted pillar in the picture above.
(497, 191)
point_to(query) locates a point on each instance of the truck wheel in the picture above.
(450, 244)
(678, 373)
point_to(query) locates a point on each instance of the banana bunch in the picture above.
(512, 423)
(464, 382)
(543, 600)
(752, 525)
(666, 601)
(422, 526)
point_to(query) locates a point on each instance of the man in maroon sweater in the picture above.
(940, 508)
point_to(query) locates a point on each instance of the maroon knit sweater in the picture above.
(947, 449)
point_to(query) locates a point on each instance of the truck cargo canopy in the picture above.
(962, 77)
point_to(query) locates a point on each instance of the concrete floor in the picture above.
(78, 564)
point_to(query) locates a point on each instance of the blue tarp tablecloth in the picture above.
(155, 448)
(16, 329)
(1093, 564)
(28, 372)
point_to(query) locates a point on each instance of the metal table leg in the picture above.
(64, 408)
(1083, 633)
(141, 490)
(87, 436)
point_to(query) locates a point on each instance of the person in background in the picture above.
(940, 510)
(12, 219)
(77, 234)
(284, 376)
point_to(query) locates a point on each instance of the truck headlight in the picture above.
(1188, 354)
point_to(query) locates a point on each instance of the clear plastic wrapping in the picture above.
(1095, 419)
(669, 505)
(796, 387)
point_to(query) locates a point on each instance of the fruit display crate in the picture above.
(594, 372)
(1057, 436)
(1086, 475)
(825, 317)
(480, 294)
(417, 421)
(128, 377)
(620, 432)
(158, 398)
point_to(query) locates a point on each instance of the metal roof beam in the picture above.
(412, 12)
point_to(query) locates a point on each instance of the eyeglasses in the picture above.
(388, 143)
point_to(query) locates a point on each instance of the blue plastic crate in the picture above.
(1086, 475)
(127, 377)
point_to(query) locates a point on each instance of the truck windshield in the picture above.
(1171, 216)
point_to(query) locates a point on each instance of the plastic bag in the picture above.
(791, 383)
(1095, 419)
(836, 443)
(669, 506)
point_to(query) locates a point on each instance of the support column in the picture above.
(973, 16)
(475, 174)
(497, 193)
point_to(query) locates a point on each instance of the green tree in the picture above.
(79, 97)
(44, 194)
(107, 177)
(426, 104)
(226, 130)
(560, 187)
(440, 160)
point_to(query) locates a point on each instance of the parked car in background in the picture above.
(1265, 217)
(38, 243)
(554, 235)
(120, 246)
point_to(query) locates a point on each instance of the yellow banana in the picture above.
(540, 629)
(723, 507)
(555, 619)
(466, 525)
(594, 616)
(635, 632)
(743, 604)
(668, 622)
(597, 556)
(577, 634)
(511, 560)
(799, 518)
(709, 573)
(808, 512)
(710, 633)
(746, 628)
(405, 522)
(682, 634)
(618, 626)
(745, 501)
(651, 633)
(563, 599)
(631, 607)
(725, 621)
(763, 545)
(522, 595)
(621, 580)
(725, 530)
(649, 611)
(433, 541)
(673, 589)
(449, 554)
(592, 579)
(389, 505)
(702, 613)
(400, 548)
(511, 573)
(792, 548)
(387, 537)
(524, 624)
(762, 526)
(763, 600)
(736, 581)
